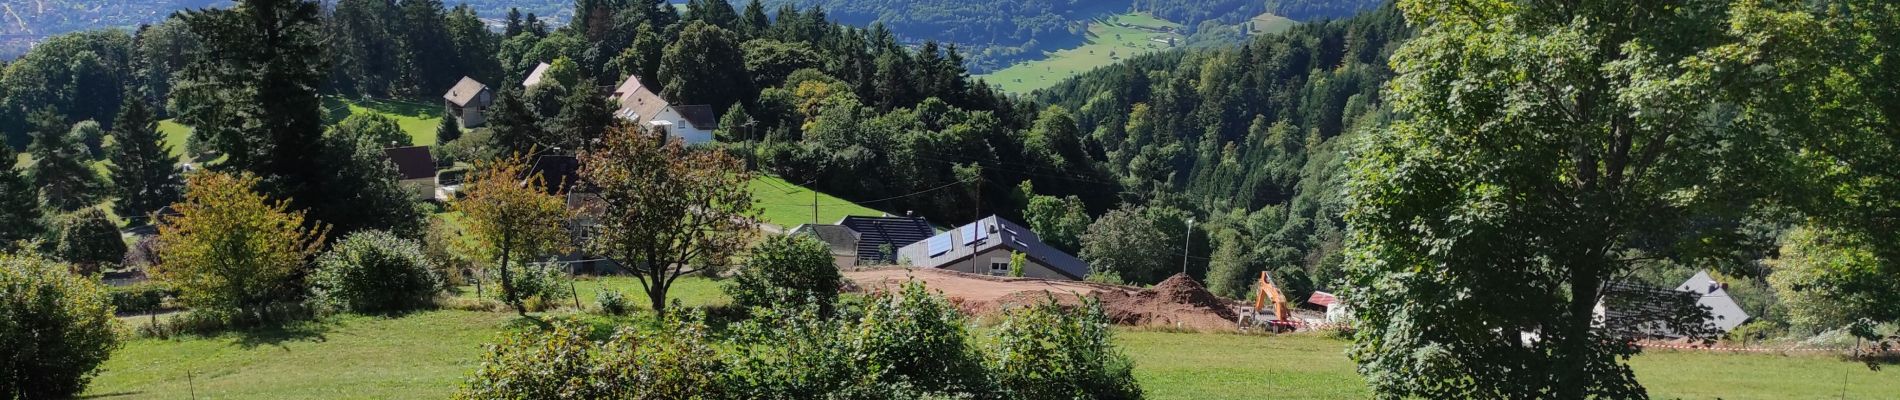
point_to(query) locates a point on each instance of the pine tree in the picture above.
(257, 103)
(514, 125)
(448, 130)
(514, 23)
(142, 169)
(62, 164)
(735, 126)
(753, 23)
(583, 118)
(19, 207)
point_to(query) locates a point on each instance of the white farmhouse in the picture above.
(646, 109)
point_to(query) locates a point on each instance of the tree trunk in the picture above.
(656, 293)
(1573, 352)
(507, 284)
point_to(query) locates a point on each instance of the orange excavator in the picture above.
(1267, 290)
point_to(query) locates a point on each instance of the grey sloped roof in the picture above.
(875, 232)
(841, 239)
(1724, 312)
(701, 116)
(534, 77)
(467, 92)
(1007, 234)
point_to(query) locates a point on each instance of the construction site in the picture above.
(1178, 302)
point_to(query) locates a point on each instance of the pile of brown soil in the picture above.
(1178, 301)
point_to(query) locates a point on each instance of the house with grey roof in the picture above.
(985, 247)
(1713, 295)
(1701, 305)
(467, 101)
(842, 241)
(880, 237)
(639, 104)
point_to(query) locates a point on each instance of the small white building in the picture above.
(639, 104)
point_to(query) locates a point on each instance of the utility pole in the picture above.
(1187, 245)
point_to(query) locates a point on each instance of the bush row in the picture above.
(909, 344)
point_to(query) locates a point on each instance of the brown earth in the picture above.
(1177, 302)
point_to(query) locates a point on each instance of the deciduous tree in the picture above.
(233, 250)
(512, 219)
(666, 210)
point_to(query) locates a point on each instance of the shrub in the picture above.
(144, 296)
(233, 252)
(55, 329)
(89, 240)
(1046, 352)
(541, 285)
(787, 268)
(614, 303)
(917, 337)
(376, 272)
(675, 361)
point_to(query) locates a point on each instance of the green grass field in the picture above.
(1269, 23)
(788, 205)
(428, 354)
(418, 119)
(1109, 41)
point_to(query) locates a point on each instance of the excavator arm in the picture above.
(1268, 290)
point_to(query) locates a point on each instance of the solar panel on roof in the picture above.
(969, 234)
(938, 245)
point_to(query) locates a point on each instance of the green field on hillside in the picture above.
(429, 354)
(787, 205)
(1109, 41)
(1269, 23)
(418, 119)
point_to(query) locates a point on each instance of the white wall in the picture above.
(682, 128)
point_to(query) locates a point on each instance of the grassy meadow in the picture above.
(787, 205)
(1110, 40)
(428, 355)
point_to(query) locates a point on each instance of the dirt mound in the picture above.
(1178, 301)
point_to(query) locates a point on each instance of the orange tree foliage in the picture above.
(512, 219)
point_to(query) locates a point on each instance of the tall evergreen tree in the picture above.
(475, 45)
(429, 53)
(448, 130)
(256, 102)
(515, 126)
(513, 26)
(753, 23)
(62, 164)
(716, 12)
(19, 204)
(583, 118)
(142, 169)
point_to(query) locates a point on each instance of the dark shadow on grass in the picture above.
(281, 333)
(111, 395)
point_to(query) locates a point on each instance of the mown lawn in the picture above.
(690, 291)
(787, 205)
(418, 119)
(428, 354)
(1109, 41)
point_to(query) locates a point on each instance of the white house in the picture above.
(639, 104)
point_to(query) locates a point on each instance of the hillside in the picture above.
(999, 34)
